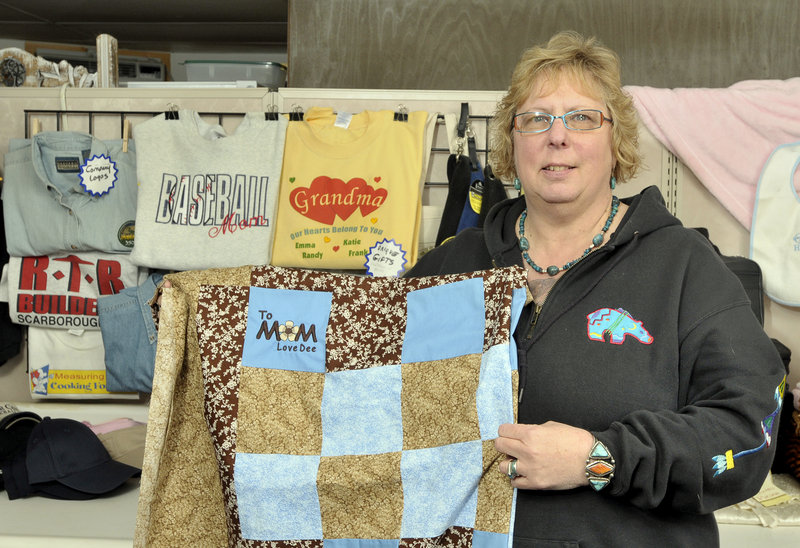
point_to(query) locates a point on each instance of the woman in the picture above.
(647, 385)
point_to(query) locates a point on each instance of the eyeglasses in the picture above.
(578, 120)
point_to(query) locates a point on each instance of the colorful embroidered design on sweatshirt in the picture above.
(725, 462)
(613, 325)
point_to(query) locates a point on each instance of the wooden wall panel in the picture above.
(474, 44)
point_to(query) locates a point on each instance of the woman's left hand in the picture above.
(549, 456)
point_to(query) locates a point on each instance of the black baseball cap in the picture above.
(15, 476)
(15, 428)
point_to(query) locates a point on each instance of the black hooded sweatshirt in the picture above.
(651, 344)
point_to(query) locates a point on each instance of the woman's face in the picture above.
(562, 165)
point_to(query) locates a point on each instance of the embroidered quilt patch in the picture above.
(360, 411)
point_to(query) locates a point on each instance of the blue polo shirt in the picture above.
(50, 198)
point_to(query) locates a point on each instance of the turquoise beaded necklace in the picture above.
(552, 270)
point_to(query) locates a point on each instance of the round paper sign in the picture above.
(98, 175)
(385, 258)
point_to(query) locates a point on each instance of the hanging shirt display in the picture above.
(351, 191)
(61, 290)
(67, 364)
(65, 190)
(775, 232)
(206, 199)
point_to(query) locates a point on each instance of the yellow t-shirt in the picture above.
(350, 192)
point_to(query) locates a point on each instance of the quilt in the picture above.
(340, 410)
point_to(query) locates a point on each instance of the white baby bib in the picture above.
(775, 230)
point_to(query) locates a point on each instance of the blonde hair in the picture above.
(590, 63)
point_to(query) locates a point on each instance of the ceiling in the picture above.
(151, 25)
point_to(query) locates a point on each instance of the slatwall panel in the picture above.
(472, 44)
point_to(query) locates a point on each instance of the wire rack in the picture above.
(88, 121)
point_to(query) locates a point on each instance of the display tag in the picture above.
(385, 258)
(476, 195)
(98, 174)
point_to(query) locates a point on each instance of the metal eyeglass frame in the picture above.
(553, 118)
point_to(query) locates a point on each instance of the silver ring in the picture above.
(512, 469)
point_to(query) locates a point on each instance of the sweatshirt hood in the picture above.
(646, 213)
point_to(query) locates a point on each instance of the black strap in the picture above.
(463, 119)
(473, 153)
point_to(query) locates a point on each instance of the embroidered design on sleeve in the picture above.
(613, 325)
(725, 462)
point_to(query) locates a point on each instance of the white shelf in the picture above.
(108, 521)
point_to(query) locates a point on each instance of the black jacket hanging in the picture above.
(493, 193)
(458, 180)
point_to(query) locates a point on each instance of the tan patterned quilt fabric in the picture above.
(297, 408)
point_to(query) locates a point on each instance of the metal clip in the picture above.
(297, 114)
(172, 112)
(401, 115)
(271, 113)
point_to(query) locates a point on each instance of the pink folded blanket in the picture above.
(724, 135)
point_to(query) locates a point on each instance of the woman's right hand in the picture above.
(549, 456)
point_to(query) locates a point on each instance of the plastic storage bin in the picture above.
(266, 74)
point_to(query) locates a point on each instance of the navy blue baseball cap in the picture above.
(66, 453)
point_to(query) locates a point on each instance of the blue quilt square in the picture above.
(485, 539)
(277, 496)
(438, 494)
(286, 329)
(361, 411)
(444, 321)
(495, 395)
(518, 297)
(360, 543)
